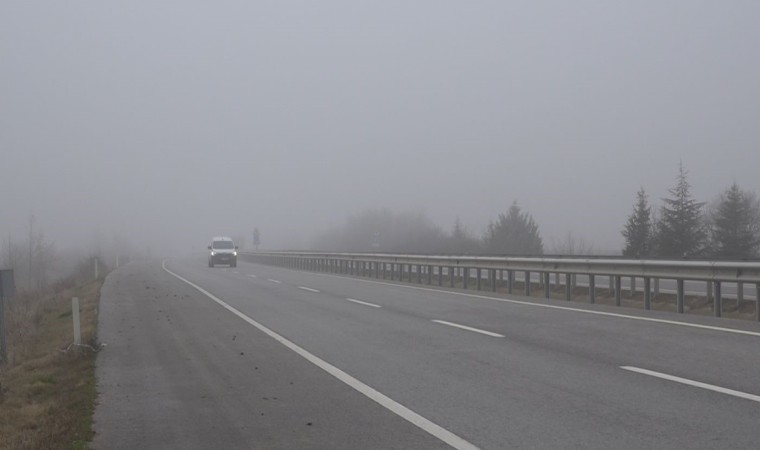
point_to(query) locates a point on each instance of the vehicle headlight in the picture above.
(212, 253)
(234, 253)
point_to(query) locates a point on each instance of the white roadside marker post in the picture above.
(75, 315)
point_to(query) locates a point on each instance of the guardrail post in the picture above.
(510, 281)
(478, 274)
(568, 287)
(592, 288)
(679, 296)
(757, 302)
(709, 291)
(527, 283)
(429, 275)
(547, 285)
(419, 274)
(465, 276)
(450, 270)
(647, 293)
(718, 303)
(617, 290)
(492, 276)
(440, 275)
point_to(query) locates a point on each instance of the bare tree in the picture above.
(572, 245)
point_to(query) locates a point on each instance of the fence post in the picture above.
(75, 315)
(7, 290)
(3, 351)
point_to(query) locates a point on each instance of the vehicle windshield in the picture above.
(222, 244)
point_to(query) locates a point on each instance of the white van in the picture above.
(222, 251)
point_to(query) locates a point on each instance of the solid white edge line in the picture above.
(465, 327)
(274, 281)
(562, 308)
(353, 300)
(400, 410)
(307, 289)
(252, 276)
(709, 387)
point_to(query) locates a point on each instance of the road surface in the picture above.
(266, 357)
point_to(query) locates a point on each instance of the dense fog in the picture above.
(149, 127)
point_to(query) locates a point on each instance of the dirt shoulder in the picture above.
(47, 386)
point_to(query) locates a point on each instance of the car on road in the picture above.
(222, 251)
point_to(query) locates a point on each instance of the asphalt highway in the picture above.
(266, 357)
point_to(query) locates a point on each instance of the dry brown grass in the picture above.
(47, 396)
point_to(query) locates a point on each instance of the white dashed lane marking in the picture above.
(709, 387)
(465, 327)
(307, 289)
(363, 303)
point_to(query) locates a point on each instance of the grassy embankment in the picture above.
(47, 395)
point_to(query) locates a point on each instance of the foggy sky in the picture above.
(171, 122)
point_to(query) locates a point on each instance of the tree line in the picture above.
(682, 227)
(382, 230)
(728, 227)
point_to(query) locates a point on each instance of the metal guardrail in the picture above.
(401, 266)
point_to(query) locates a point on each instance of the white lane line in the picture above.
(307, 289)
(363, 303)
(274, 281)
(465, 327)
(252, 276)
(709, 387)
(562, 308)
(400, 410)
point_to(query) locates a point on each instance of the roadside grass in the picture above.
(47, 395)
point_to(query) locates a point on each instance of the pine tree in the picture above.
(638, 229)
(461, 241)
(736, 224)
(515, 233)
(681, 229)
